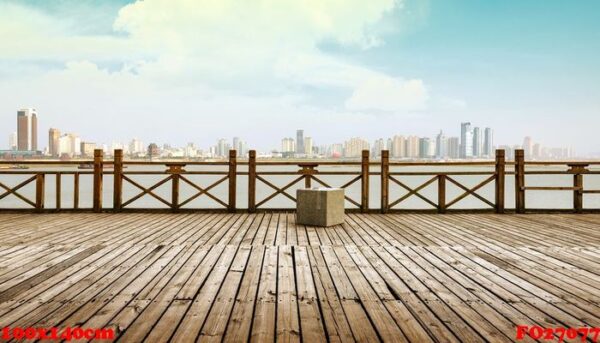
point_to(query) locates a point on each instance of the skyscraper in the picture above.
(236, 145)
(398, 149)
(453, 147)
(355, 146)
(27, 129)
(308, 146)
(426, 147)
(477, 142)
(466, 140)
(223, 148)
(300, 142)
(54, 142)
(377, 147)
(488, 142)
(527, 146)
(288, 146)
(441, 148)
(412, 147)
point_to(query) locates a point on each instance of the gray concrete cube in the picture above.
(320, 206)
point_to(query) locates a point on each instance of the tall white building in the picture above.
(377, 147)
(441, 148)
(288, 145)
(488, 142)
(223, 148)
(308, 146)
(412, 147)
(69, 144)
(477, 142)
(355, 146)
(136, 147)
(528, 146)
(466, 140)
(453, 144)
(398, 149)
(426, 147)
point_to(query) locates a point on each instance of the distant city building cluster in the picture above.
(473, 143)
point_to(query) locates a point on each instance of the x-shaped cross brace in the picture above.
(14, 190)
(147, 191)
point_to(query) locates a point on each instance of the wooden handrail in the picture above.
(307, 171)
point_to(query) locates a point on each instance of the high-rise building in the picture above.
(239, 146)
(477, 142)
(412, 147)
(136, 147)
(426, 147)
(12, 141)
(87, 149)
(54, 142)
(466, 140)
(441, 145)
(69, 144)
(236, 145)
(300, 142)
(528, 146)
(377, 147)
(308, 146)
(355, 146)
(398, 149)
(488, 142)
(27, 129)
(223, 148)
(453, 147)
(288, 146)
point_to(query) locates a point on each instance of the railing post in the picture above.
(385, 170)
(76, 191)
(58, 191)
(252, 181)
(578, 169)
(98, 165)
(232, 180)
(520, 181)
(175, 189)
(118, 180)
(364, 182)
(307, 177)
(39, 192)
(500, 175)
(441, 193)
(578, 192)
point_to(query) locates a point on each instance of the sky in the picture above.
(179, 71)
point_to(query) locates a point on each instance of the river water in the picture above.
(534, 199)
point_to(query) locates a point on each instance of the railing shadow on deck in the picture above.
(306, 175)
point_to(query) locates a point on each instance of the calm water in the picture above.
(534, 199)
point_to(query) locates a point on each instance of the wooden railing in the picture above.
(308, 174)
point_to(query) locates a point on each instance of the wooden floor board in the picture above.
(411, 277)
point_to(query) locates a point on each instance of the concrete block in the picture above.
(320, 206)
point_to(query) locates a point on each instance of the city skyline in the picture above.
(373, 69)
(473, 143)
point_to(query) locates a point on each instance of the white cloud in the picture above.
(389, 94)
(194, 59)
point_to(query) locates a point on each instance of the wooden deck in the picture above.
(260, 277)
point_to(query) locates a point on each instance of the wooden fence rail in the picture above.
(389, 173)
